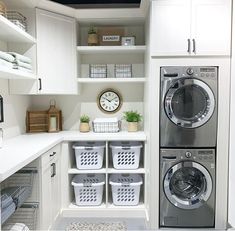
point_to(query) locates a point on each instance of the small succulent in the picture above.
(132, 116)
(84, 119)
(92, 30)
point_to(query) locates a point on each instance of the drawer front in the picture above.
(50, 156)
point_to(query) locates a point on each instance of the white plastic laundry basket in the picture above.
(125, 188)
(88, 189)
(126, 155)
(89, 155)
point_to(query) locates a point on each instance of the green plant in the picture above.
(91, 30)
(132, 116)
(84, 119)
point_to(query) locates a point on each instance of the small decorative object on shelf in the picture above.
(123, 70)
(36, 121)
(92, 39)
(101, 125)
(84, 123)
(110, 36)
(128, 41)
(133, 118)
(18, 19)
(1, 109)
(98, 70)
(54, 118)
(3, 9)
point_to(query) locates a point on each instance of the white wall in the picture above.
(15, 108)
(74, 106)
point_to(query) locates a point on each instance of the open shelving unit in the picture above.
(16, 37)
(112, 80)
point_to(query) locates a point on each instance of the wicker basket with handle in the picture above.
(3, 9)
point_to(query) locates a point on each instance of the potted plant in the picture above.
(84, 123)
(133, 118)
(92, 39)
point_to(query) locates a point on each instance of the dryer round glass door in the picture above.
(187, 185)
(189, 103)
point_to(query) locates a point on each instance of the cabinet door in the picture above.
(170, 27)
(211, 26)
(56, 53)
(55, 189)
(46, 202)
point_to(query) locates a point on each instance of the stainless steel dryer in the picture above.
(187, 188)
(188, 116)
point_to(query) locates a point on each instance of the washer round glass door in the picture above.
(189, 103)
(187, 185)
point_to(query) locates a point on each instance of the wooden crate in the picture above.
(37, 121)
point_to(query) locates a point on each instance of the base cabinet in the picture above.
(50, 187)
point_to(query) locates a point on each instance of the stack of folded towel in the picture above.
(21, 62)
(6, 60)
(8, 207)
(14, 60)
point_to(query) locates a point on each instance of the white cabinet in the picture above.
(50, 187)
(194, 27)
(56, 53)
(56, 57)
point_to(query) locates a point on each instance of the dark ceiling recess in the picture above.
(100, 3)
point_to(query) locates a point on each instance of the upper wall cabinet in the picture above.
(193, 27)
(56, 53)
(56, 57)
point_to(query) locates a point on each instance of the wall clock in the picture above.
(109, 101)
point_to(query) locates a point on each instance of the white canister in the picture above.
(1, 137)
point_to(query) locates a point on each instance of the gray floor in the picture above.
(131, 223)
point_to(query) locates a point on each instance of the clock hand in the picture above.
(113, 98)
(106, 99)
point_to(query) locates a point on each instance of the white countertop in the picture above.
(19, 151)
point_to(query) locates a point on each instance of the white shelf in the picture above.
(74, 206)
(7, 73)
(140, 206)
(111, 49)
(111, 80)
(9, 32)
(135, 171)
(89, 171)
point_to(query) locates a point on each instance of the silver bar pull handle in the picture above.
(40, 84)
(194, 46)
(189, 46)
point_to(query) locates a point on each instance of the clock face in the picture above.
(109, 101)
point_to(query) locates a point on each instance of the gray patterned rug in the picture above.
(101, 226)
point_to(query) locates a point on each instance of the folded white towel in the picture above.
(22, 69)
(25, 65)
(106, 120)
(7, 57)
(17, 227)
(5, 63)
(21, 58)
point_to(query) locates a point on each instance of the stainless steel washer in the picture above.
(187, 188)
(188, 116)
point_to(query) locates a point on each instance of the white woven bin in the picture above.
(126, 155)
(88, 189)
(89, 155)
(125, 189)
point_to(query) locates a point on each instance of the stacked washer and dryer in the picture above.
(188, 135)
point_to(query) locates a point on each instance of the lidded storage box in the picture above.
(88, 188)
(126, 154)
(125, 188)
(89, 155)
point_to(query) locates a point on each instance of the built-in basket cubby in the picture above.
(18, 202)
(122, 183)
